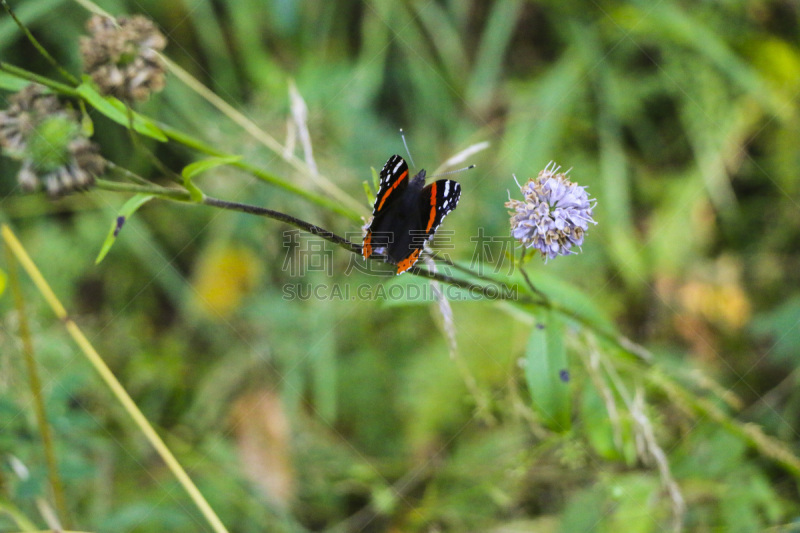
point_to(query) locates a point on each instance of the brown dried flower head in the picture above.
(26, 109)
(46, 136)
(122, 57)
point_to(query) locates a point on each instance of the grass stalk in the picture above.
(35, 384)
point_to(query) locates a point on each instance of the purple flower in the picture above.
(555, 214)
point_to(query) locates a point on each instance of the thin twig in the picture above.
(494, 292)
(531, 286)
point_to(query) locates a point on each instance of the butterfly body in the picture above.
(407, 213)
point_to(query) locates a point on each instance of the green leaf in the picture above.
(87, 125)
(547, 374)
(118, 112)
(3, 281)
(128, 209)
(193, 169)
(376, 180)
(368, 192)
(9, 82)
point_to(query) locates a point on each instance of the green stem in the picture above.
(36, 44)
(122, 171)
(155, 190)
(330, 190)
(60, 88)
(36, 391)
(199, 145)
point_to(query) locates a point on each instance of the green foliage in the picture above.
(125, 212)
(547, 372)
(118, 112)
(316, 408)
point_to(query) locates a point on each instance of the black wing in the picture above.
(435, 202)
(394, 181)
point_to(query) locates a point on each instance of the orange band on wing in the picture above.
(366, 248)
(403, 176)
(408, 262)
(433, 207)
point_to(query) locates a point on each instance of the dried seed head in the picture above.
(26, 109)
(83, 163)
(122, 57)
(37, 130)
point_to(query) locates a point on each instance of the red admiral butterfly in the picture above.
(406, 213)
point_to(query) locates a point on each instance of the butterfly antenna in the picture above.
(403, 136)
(453, 171)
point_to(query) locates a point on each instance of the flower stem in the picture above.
(156, 190)
(60, 88)
(111, 381)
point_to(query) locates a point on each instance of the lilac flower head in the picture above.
(555, 214)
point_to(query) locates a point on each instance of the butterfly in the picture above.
(407, 213)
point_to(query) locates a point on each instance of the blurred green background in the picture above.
(330, 415)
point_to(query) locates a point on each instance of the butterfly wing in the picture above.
(435, 202)
(393, 182)
(438, 199)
